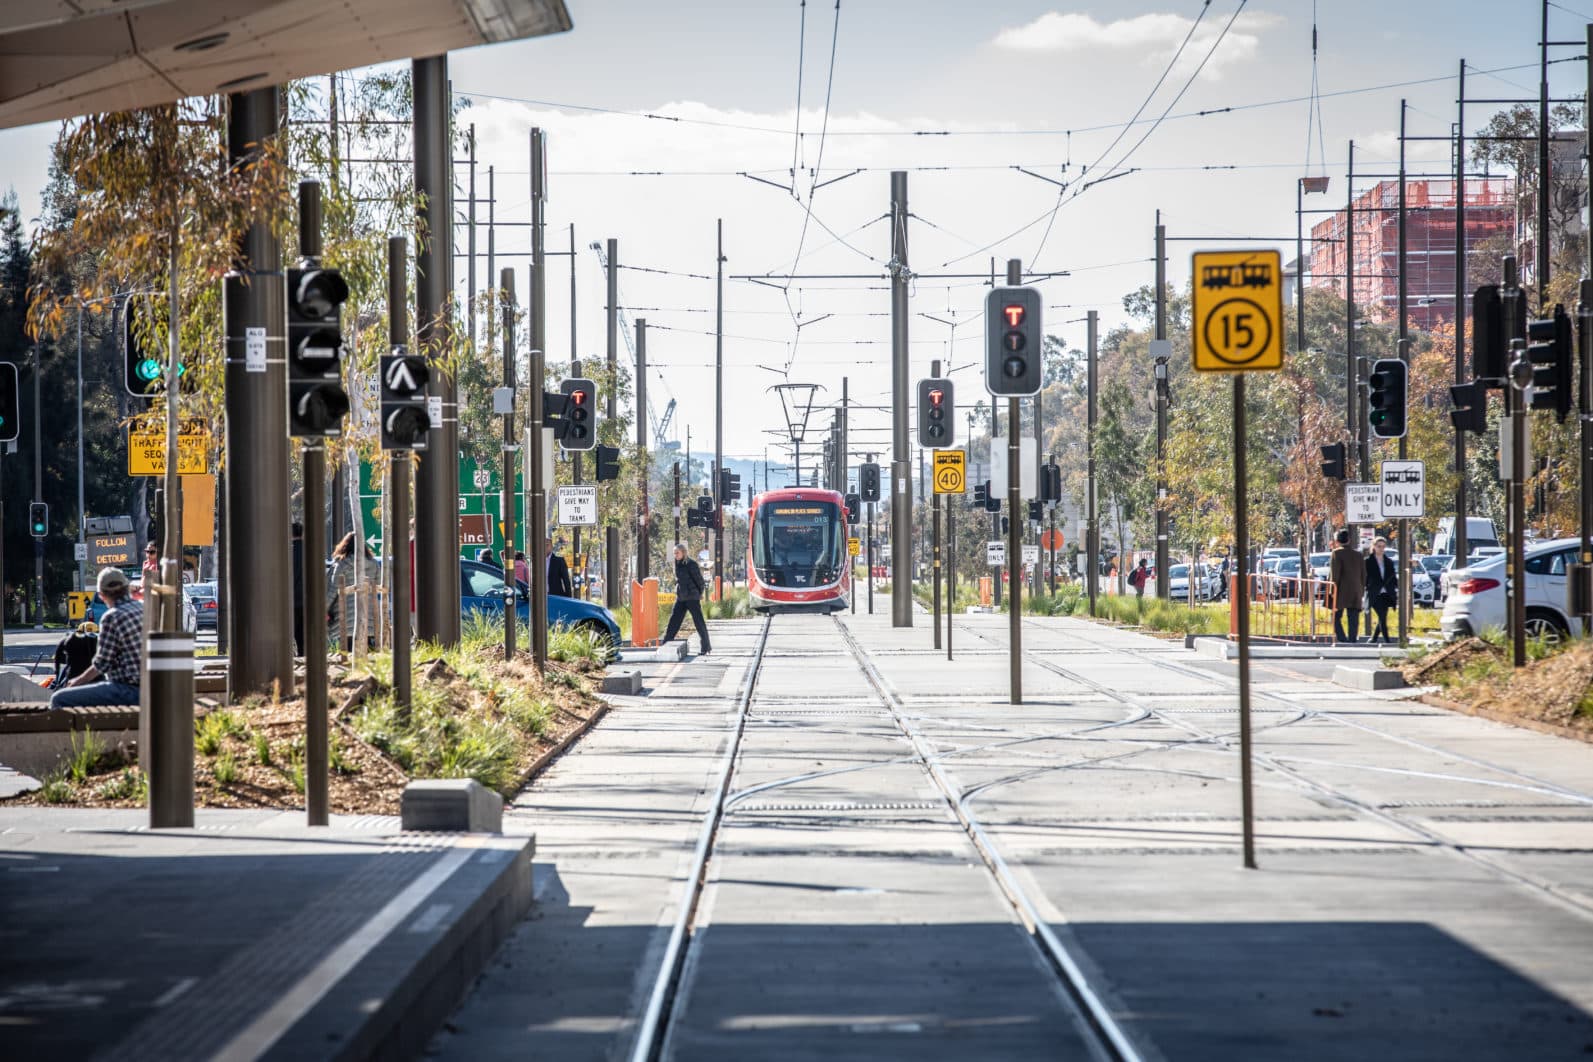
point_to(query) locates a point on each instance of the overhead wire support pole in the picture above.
(1162, 355)
(1092, 530)
(1584, 338)
(1403, 328)
(1460, 544)
(538, 516)
(1014, 531)
(643, 518)
(1516, 421)
(901, 473)
(611, 535)
(934, 536)
(506, 488)
(1544, 165)
(575, 458)
(719, 407)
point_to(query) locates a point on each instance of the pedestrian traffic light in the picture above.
(1013, 342)
(38, 519)
(10, 403)
(729, 487)
(935, 410)
(1549, 348)
(317, 403)
(1470, 406)
(577, 426)
(1387, 393)
(405, 423)
(608, 463)
(1051, 482)
(868, 481)
(1333, 463)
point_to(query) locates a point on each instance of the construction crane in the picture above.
(660, 424)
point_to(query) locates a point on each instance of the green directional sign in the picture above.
(479, 492)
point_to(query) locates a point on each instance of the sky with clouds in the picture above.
(959, 95)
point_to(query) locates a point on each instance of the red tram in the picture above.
(797, 550)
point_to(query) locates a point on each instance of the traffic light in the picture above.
(1491, 335)
(577, 427)
(702, 514)
(144, 370)
(868, 481)
(1333, 464)
(981, 495)
(1549, 348)
(316, 401)
(38, 519)
(1013, 342)
(1051, 482)
(935, 409)
(1387, 392)
(729, 487)
(1036, 510)
(608, 463)
(10, 404)
(992, 499)
(405, 423)
(854, 506)
(1470, 401)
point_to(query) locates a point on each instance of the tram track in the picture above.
(1419, 833)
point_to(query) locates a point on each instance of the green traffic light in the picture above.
(148, 370)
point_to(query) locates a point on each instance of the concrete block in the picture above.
(17, 689)
(628, 683)
(452, 804)
(670, 652)
(1368, 678)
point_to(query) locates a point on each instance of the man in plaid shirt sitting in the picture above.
(114, 676)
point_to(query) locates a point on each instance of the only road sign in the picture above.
(1238, 311)
(995, 553)
(950, 472)
(1404, 490)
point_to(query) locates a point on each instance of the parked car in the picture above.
(1208, 582)
(199, 607)
(1477, 593)
(482, 590)
(1423, 591)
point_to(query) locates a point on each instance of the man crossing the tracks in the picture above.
(1347, 571)
(688, 598)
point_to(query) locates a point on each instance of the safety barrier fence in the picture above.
(1284, 607)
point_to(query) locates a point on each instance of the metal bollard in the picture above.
(167, 708)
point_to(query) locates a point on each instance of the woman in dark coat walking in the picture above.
(1382, 589)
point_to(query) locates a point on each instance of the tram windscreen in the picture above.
(798, 543)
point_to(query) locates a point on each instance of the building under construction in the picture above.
(1490, 211)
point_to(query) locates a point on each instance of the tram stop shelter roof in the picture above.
(63, 58)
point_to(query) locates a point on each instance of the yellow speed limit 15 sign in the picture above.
(854, 546)
(950, 472)
(1238, 311)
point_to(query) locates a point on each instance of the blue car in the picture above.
(482, 590)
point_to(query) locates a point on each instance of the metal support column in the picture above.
(1092, 535)
(1519, 375)
(1241, 517)
(536, 533)
(260, 601)
(313, 561)
(1402, 327)
(1014, 530)
(506, 491)
(611, 535)
(719, 405)
(901, 471)
(1461, 546)
(398, 472)
(437, 479)
(1162, 560)
(643, 568)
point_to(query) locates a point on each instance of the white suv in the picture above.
(1476, 598)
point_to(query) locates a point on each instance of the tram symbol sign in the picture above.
(995, 553)
(1238, 311)
(950, 472)
(1404, 490)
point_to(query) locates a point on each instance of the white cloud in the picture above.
(1155, 37)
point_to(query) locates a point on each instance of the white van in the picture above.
(1479, 534)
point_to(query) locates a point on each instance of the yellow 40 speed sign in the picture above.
(1238, 311)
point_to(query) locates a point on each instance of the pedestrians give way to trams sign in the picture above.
(995, 553)
(1238, 311)
(577, 506)
(1404, 490)
(1363, 503)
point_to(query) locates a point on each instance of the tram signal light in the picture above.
(868, 481)
(39, 519)
(729, 487)
(1013, 342)
(1051, 482)
(10, 403)
(1491, 335)
(1036, 510)
(1549, 347)
(577, 425)
(1388, 388)
(1470, 406)
(981, 494)
(405, 423)
(317, 403)
(854, 506)
(936, 407)
(608, 463)
(1333, 463)
(992, 499)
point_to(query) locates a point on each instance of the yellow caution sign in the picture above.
(146, 449)
(950, 472)
(1238, 311)
(854, 546)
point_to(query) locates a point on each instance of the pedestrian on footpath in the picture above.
(117, 670)
(522, 570)
(558, 574)
(688, 598)
(1382, 590)
(1347, 572)
(1138, 578)
(353, 566)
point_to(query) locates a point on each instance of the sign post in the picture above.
(1238, 328)
(950, 478)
